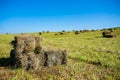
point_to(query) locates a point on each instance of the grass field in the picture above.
(90, 57)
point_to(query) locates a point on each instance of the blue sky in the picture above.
(18, 16)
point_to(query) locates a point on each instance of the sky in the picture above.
(18, 16)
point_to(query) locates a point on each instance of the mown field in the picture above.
(90, 57)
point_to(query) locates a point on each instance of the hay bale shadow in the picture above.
(5, 62)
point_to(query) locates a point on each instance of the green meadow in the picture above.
(90, 57)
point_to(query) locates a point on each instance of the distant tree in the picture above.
(73, 30)
(92, 30)
(86, 30)
(47, 31)
(7, 33)
(68, 32)
(81, 30)
(63, 31)
(43, 31)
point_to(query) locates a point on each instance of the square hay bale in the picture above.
(30, 61)
(23, 55)
(29, 44)
(55, 57)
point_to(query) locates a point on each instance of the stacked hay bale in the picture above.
(29, 54)
(27, 51)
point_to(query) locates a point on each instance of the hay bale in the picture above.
(28, 53)
(55, 57)
(108, 34)
(77, 32)
(40, 33)
(56, 34)
(24, 53)
(61, 33)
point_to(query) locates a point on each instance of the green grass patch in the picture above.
(90, 57)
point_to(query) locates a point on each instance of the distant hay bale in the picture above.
(61, 33)
(56, 34)
(92, 30)
(108, 34)
(40, 33)
(28, 53)
(77, 32)
(43, 31)
(111, 30)
(7, 33)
